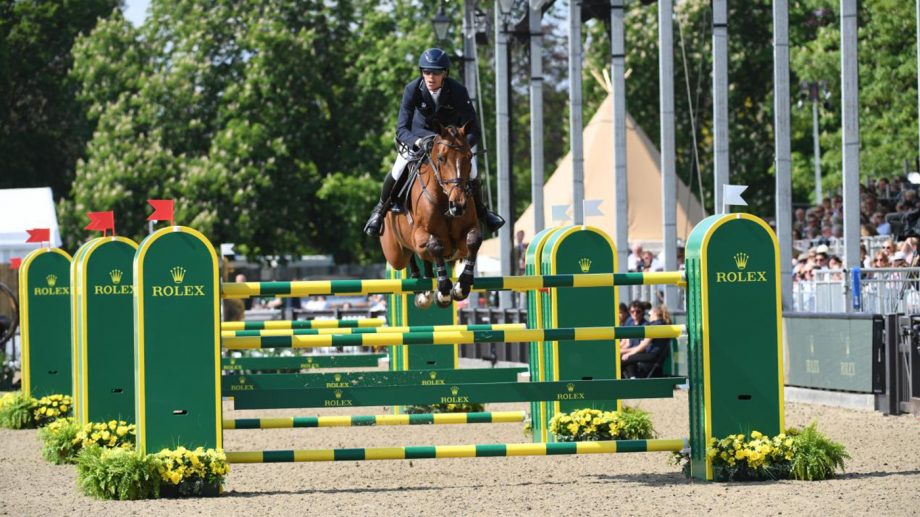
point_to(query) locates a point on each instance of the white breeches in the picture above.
(400, 165)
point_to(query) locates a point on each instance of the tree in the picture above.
(42, 126)
(887, 89)
(270, 123)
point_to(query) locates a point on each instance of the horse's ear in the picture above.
(463, 128)
(438, 127)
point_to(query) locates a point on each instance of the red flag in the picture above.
(162, 210)
(15, 263)
(39, 235)
(101, 221)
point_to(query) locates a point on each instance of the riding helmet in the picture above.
(434, 59)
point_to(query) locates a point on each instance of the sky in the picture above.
(136, 11)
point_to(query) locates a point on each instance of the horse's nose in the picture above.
(455, 209)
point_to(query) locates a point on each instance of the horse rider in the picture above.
(432, 97)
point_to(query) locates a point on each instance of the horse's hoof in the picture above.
(443, 300)
(457, 293)
(423, 300)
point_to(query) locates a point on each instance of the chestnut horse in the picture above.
(439, 224)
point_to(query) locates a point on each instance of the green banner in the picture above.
(231, 384)
(586, 392)
(177, 341)
(45, 318)
(301, 362)
(831, 353)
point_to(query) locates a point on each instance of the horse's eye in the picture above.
(442, 159)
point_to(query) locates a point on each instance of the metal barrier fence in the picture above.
(874, 291)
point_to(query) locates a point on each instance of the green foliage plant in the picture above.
(59, 441)
(16, 411)
(815, 456)
(120, 474)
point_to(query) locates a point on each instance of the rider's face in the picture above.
(434, 78)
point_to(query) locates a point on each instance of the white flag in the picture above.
(731, 195)
(559, 213)
(592, 207)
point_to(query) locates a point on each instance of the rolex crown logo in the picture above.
(585, 265)
(741, 259)
(338, 394)
(242, 380)
(432, 375)
(338, 377)
(309, 360)
(115, 275)
(454, 390)
(178, 274)
(52, 279)
(570, 387)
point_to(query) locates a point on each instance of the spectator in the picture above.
(881, 260)
(881, 225)
(520, 251)
(636, 318)
(634, 258)
(638, 360)
(247, 302)
(623, 315)
(649, 262)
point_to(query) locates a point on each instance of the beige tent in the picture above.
(644, 183)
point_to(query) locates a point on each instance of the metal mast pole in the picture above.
(668, 161)
(502, 134)
(621, 183)
(470, 70)
(850, 93)
(813, 92)
(575, 116)
(720, 94)
(781, 139)
(536, 114)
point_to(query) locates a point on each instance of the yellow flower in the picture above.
(121, 430)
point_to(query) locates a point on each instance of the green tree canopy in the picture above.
(42, 127)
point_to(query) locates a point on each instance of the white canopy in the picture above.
(23, 209)
(643, 182)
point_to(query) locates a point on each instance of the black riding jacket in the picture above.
(418, 112)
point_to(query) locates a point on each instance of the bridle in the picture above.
(447, 186)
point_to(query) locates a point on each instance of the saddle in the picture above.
(403, 186)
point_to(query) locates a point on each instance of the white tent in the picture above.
(643, 182)
(23, 209)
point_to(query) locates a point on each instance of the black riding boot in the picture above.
(490, 219)
(374, 226)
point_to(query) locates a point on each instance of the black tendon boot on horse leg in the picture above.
(374, 225)
(490, 219)
(464, 283)
(436, 250)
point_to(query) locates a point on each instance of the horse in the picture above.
(439, 223)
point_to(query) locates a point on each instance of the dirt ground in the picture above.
(883, 477)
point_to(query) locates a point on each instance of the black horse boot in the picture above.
(374, 226)
(490, 219)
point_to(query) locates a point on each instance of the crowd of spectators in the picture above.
(818, 231)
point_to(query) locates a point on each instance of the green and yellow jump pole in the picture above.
(458, 451)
